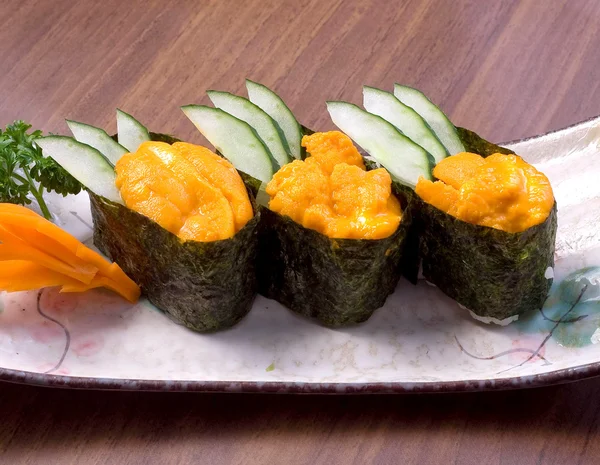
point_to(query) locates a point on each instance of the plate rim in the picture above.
(554, 131)
(560, 376)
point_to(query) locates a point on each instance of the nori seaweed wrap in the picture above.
(495, 274)
(340, 282)
(206, 286)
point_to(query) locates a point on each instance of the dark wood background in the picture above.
(506, 69)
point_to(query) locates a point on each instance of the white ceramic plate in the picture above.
(419, 341)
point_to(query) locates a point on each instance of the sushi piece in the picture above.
(332, 237)
(175, 216)
(488, 228)
(332, 231)
(484, 221)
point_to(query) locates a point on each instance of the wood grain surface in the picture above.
(506, 69)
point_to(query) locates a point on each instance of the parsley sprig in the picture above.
(24, 170)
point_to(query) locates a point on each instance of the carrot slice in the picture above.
(23, 275)
(50, 246)
(14, 248)
(108, 269)
(27, 237)
(66, 242)
(130, 293)
(18, 209)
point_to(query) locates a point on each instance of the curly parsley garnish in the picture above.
(24, 170)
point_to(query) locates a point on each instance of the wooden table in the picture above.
(506, 69)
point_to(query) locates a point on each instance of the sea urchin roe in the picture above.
(327, 149)
(500, 191)
(331, 192)
(187, 189)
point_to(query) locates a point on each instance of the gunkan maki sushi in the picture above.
(333, 234)
(488, 233)
(484, 220)
(175, 216)
(332, 231)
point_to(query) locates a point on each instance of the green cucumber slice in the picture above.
(259, 120)
(84, 163)
(435, 118)
(386, 105)
(405, 160)
(273, 105)
(130, 131)
(99, 139)
(234, 138)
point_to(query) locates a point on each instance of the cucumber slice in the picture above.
(406, 119)
(84, 163)
(435, 118)
(260, 121)
(275, 107)
(405, 160)
(234, 138)
(131, 132)
(99, 139)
